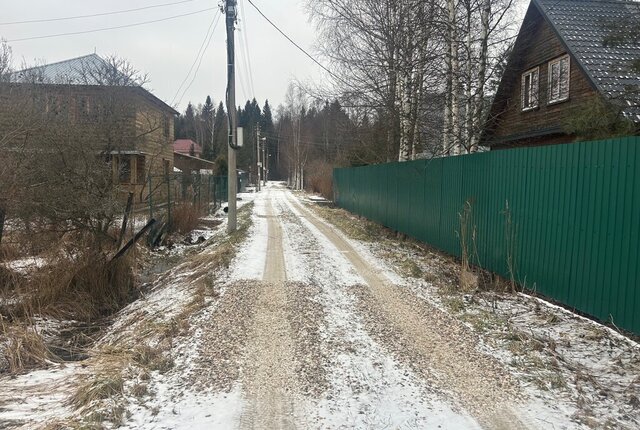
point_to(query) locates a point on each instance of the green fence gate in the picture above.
(568, 216)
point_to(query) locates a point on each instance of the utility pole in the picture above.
(230, 11)
(264, 159)
(258, 164)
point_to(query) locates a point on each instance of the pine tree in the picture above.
(220, 132)
(208, 117)
(189, 130)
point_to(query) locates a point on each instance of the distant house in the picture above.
(569, 57)
(89, 100)
(187, 147)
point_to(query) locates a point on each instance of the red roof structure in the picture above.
(184, 146)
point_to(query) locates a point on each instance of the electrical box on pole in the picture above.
(240, 134)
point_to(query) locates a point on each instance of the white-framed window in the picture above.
(559, 72)
(529, 89)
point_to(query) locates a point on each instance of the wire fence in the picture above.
(164, 192)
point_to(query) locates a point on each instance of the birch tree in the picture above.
(401, 58)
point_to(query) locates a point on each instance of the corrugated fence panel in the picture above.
(565, 218)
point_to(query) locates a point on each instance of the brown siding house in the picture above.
(562, 62)
(126, 124)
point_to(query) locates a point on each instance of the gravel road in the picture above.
(331, 341)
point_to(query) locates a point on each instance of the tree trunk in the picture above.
(455, 77)
(469, 105)
(478, 117)
(405, 118)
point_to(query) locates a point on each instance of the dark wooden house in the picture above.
(569, 56)
(85, 100)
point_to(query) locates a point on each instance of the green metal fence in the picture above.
(567, 216)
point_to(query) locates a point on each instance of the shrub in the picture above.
(86, 289)
(185, 217)
(320, 178)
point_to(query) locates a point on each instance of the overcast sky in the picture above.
(166, 50)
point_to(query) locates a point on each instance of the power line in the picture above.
(243, 34)
(296, 45)
(201, 58)
(68, 18)
(195, 60)
(111, 28)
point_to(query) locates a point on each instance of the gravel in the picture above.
(306, 316)
(224, 336)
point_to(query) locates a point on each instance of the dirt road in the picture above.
(322, 347)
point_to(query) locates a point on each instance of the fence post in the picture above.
(150, 199)
(2, 216)
(168, 199)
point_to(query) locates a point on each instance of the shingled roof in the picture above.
(602, 36)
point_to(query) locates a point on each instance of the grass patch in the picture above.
(483, 321)
(410, 268)
(455, 304)
(102, 386)
(24, 349)
(152, 359)
(355, 228)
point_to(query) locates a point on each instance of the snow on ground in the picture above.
(367, 387)
(251, 257)
(201, 411)
(26, 265)
(36, 396)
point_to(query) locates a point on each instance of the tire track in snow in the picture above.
(470, 377)
(368, 388)
(270, 378)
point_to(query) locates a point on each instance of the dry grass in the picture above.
(24, 348)
(8, 252)
(99, 387)
(320, 179)
(9, 279)
(185, 217)
(85, 290)
(354, 227)
(152, 359)
(222, 254)
(99, 398)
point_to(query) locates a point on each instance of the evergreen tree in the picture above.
(208, 118)
(220, 131)
(189, 131)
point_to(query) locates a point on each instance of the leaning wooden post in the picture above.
(134, 239)
(125, 219)
(150, 199)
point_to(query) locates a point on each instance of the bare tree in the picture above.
(6, 60)
(296, 150)
(401, 58)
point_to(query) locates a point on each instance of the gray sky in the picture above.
(166, 50)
